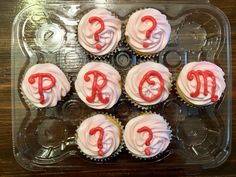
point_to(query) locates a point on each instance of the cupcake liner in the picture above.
(139, 54)
(100, 57)
(30, 104)
(117, 151)
(181, 99)
(159, 156)
(145, 107)
(142, 55)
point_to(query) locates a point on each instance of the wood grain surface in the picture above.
(8, 165)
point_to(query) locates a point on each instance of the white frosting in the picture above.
(186, 87)
(135, 141)
(136, 31)
(51, 96)
(88, 143)
(111, 90)
(108, 38)
(134, 77)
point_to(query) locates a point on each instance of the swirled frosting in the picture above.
(187, 86)
(137, 73)
(53, 82)
(108, 37)
(135, 140)
(88, 143)
(98, 73)
(137, 28)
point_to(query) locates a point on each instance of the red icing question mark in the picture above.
(149, 139)
(100, 138)
(149, 31)
(96, 34)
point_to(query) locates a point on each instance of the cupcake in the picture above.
(98, 85)
(148, 84)
(99, 137)
(44, 85)
(147, 135)
(147, 32)
(99, 32)
(200, 83)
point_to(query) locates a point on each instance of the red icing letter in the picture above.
(99, 142)
(205, 75)
(96, 88)
(149, 139)
(146, 78)
(41, 87)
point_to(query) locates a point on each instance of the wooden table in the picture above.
(8, 165)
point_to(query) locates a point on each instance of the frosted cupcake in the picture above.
(147, 31)
(99, 137)
(44, 85)
(148, 84)
(147, 135)
(98, 85)
(201, 83)
(99, 32)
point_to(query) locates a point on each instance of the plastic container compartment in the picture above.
(44, 138)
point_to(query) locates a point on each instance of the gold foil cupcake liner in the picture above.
(158, 157)
(117, 151)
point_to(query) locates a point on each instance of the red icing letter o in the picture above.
(146, 78)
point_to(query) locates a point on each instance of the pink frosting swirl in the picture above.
(137, 28)
(51, 95)
(135, 76)
(135, 140)
(88, 143)
(187, 86)
(111, 90)
(107, 39)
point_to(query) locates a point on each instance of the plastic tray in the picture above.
(44, 138)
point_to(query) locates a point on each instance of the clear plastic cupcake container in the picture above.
(43, 139)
